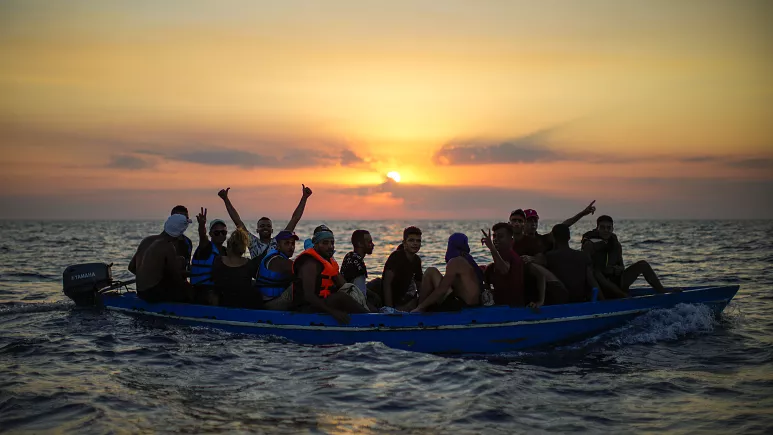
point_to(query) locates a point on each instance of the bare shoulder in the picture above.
(458, 264)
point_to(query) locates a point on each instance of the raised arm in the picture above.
(201, 218)
(298, 213)
(500, 265)
(590, 209)
(232, 213)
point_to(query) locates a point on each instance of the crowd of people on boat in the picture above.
(526, 269)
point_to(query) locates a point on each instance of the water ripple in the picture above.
(82, 371)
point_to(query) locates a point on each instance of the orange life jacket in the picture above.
(329, 271)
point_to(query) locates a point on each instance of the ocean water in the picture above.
(69, 370)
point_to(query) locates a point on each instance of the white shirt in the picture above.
(258, 248)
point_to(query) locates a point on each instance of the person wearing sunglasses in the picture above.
(208, 249)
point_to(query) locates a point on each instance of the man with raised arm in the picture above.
(505, 274)
(210, 247)
(532, 223)
(263, 242)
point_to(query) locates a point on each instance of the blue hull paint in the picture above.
(476, 330)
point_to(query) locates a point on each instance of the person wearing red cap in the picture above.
(532, 223)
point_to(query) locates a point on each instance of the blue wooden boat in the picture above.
(475, 330)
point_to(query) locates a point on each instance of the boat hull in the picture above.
(476, 330)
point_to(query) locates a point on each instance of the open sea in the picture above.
(68, 370)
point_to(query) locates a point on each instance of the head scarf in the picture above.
(176, 224)
(458, 246)
(322, 235)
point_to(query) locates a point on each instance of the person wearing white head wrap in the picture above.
(159, 268)
(176, 225)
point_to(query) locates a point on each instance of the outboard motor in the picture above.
(81, 282)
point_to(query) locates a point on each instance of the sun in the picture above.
(394, 176)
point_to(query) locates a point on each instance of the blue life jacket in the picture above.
(272, 284)
(201, 270)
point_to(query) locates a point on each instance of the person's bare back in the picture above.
(157, 263)
(465, 285)
(136, 260)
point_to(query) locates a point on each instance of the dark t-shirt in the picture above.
(507, 289)
(570, 266)
(353, 266)
(184, 247)
(234, 285)
(546, 240)
(404, 271)
(527, 245)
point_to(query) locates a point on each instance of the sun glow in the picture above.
(394, 176)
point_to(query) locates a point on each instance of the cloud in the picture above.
(538, 148)
(525, 149)
(125, 161)
(753, 163)
(288, 158)
(349, 158)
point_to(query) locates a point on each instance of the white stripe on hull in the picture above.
(393, 328)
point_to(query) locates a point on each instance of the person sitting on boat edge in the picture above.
(316, 279)
(546, 240)
(275, 273)
(353, 267)
(160, 273)
(204, 257)
(261, 244)
(403, 274)
(183, 245)
(504, 277)
(606, 252)
(574, 268)
(232, 274)
(462, 285)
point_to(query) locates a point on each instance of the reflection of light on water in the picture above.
(339, 424)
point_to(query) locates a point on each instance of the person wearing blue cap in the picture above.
(275, 274)
(317, 280)
(460, 287)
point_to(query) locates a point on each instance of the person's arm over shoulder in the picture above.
(540, 259)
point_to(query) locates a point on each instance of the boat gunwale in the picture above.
(262, 324)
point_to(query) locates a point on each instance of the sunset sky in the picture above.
(118, 109)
